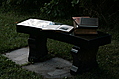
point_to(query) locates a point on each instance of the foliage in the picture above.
(26, 2)
(57, 8)
(106, 10)
(27, 6)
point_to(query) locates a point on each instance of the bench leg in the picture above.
(37, 48)
(83, 60)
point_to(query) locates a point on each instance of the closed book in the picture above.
(88, 22)
(77, 20)
(85, 25)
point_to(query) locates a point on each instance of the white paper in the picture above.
(36, 23)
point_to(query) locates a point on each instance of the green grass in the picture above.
(9, 38)
(107, 57)
(9, 70)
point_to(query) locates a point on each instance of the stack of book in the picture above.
(85, 25)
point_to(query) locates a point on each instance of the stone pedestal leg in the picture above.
(83, 59)
(37, 48)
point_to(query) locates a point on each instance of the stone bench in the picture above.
(84, 51)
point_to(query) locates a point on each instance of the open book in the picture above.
(65, 28)
(45, 25)
(36, 23)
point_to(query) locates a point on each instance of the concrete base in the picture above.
(53, 68)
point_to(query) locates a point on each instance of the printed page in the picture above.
(36, 23)
(51, 27)
(65, 28)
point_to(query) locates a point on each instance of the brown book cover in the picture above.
(85, 31)
(77, 20)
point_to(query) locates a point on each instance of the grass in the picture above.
(9, 38)
(107, 57)
(9, 70)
